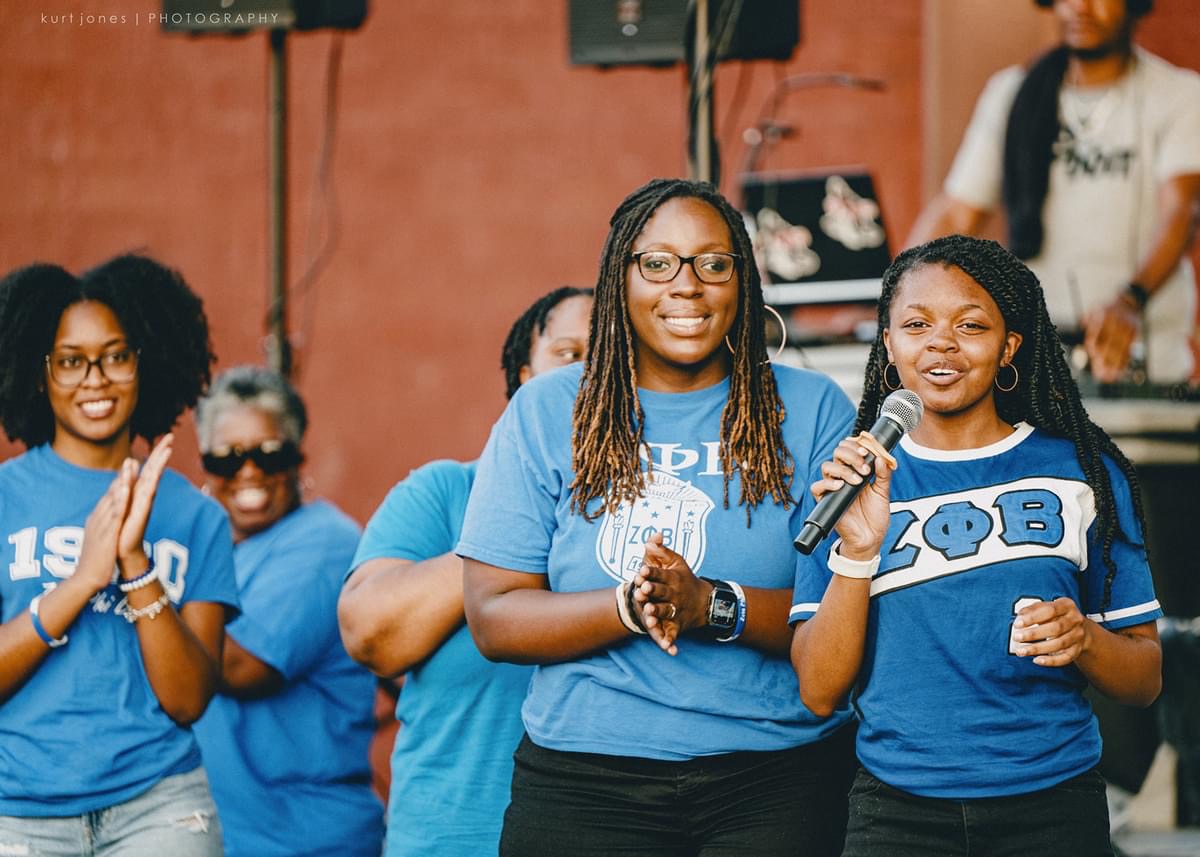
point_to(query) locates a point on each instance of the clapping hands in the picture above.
(670, 597)
(115, 529)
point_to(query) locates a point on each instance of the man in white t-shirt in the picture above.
(1093, 154)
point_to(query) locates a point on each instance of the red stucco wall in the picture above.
(474, 169)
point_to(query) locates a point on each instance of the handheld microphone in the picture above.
(900, 413)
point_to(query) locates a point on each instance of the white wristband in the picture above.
(859, 569)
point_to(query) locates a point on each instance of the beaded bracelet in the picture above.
(39, 628)
(144, 579)
(624, 611)
(151, 610)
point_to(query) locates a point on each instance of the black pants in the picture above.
(1070, 818)
(789, 803)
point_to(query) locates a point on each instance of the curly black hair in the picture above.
(1047, 396)
(608, 419)
(519, 342)
(161, 316)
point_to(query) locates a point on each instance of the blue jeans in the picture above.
(1069, 818)
(175, 818)
(788, 803)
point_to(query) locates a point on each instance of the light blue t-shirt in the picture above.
(460, 713)
(86, 731)
(948, 710)
(289, 772)
(633, 699)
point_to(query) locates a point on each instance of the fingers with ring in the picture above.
(671, 615)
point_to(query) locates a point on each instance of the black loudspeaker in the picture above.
(1135, 7)
(241, 16)
(654, 32)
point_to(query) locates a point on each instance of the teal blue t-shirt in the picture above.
(460, 713)
(633, 699)
(289, 772)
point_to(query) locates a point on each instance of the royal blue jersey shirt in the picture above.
(947, 708)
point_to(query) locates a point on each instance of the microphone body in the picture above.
(900, 413)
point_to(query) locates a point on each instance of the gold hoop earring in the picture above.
(782, 344)
(887, 385)
(1010, 387)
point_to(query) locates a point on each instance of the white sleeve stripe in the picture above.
(807, 607)
(1124, 612)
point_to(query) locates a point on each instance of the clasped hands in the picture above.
(669, 597)
(114, 532)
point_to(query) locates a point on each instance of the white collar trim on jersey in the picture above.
(1020, 432)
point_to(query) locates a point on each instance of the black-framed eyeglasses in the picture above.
(270, 456)
(69, 369)
(662, 266)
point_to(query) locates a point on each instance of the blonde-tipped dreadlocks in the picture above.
(608, 420)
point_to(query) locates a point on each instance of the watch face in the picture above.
(724, 610)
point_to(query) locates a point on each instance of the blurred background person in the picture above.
(1093, 155)
(117, 584)
(285, 740)
(401, 612)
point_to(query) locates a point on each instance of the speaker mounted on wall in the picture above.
(653, 32)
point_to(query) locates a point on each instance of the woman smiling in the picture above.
(661, 718)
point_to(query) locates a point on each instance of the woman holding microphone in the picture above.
(991, 571)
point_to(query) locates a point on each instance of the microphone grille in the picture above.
(905, 407)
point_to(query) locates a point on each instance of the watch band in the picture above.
(726, 614)
(1139, 293)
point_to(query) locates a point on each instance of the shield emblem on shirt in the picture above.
(677, 509)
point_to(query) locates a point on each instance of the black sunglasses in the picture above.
(271, 457)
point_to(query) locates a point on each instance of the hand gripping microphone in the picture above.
(900, 413)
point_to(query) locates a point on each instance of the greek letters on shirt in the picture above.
(672, 506)
(60, 548)
(933, 537)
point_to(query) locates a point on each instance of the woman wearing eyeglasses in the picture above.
(630, 533)
(115, 584)
(285, 739)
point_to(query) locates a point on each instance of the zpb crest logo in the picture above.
(670, 506)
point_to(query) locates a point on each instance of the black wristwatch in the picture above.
(722, 609)
(1138, 295)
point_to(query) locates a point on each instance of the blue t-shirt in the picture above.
(633, 699)
(289, 772)
(947, 709)
(461, 714)
(86, 731)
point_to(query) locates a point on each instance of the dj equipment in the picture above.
(819, 237)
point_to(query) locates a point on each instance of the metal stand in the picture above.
(700, 112)
(279, 351)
